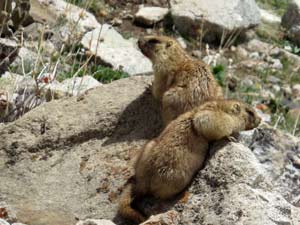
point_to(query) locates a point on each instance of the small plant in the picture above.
(107, 74)
(101, 73)
(219, 73)
(294, 48)
(279, 6)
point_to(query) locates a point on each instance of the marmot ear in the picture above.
(236, 108)
(169, 44)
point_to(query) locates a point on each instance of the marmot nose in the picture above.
(258, 120)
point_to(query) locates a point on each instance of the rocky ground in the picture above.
(69, 132)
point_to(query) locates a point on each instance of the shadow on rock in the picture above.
(151, 206)
(140, 120)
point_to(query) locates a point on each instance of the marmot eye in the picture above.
(236, 108)
(153, 41)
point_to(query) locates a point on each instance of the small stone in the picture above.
(233, 48)
(254, 64)
(296, 162)
(150, 15)
(256, 45)
(268, 17)
(254, 55)
(149, 31)
(277, 64)
(273, 79)
(276, 88)
(288, 48)
(116, 22)
(287, 90)
(170, 217)
(296, 90)
(95, 222)
(197, 54)
(275, 51)
(247, 82)
(267, 94)
(241, 52)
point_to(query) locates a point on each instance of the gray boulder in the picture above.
(106, 43)
(291, 21)
(50, 11)
(217, 17)
(70, 158)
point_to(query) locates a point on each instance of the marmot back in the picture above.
(180, 82)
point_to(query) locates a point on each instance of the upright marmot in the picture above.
(167, 164)
(180, 82)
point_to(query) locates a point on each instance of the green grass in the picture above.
(101, 73)
(271, 33)
(219, 74)
(278, 6)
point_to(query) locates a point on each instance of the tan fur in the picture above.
(180, 82)
(167, 164)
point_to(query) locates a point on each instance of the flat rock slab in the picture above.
(68, 160)
(107, 44)
(217, 16)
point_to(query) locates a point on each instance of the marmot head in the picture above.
(160, 48)
(226, 113)
(243, 111)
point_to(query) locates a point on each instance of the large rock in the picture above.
(50, 11)
(291, 21)
(106, 43)
(218, 16)
(68, 160)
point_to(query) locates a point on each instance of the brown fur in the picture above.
(180, 82)
(167, 164)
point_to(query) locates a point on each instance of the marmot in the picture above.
(180, 82)
(167, 164)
